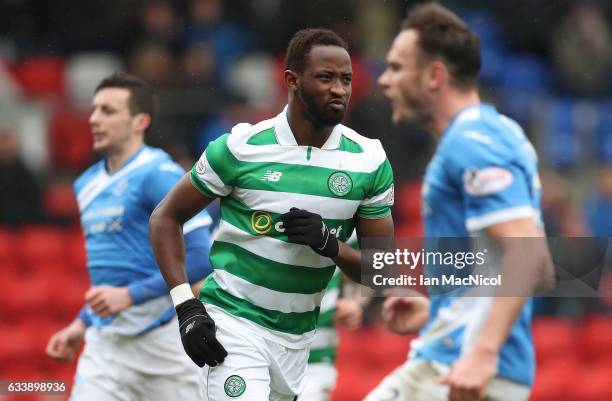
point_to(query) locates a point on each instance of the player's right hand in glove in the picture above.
(198, 334)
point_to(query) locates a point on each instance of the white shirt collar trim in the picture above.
(285, 136)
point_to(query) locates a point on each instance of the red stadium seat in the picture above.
(41, 76)
(554, 337)
(408, 209)
(71, 141)
(593, 382)
(68, 296)
(40, 244)
(553, 380)
(595, 335)
(76, 257)
(38, 297)
(60, 202)
(7, 246)
(365, 357)
(15, 344)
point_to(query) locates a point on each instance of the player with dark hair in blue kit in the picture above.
(481, 183)
(129, 325)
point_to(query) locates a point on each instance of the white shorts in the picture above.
(416, 380)
(153, 367)
(320, 382)
(255, 368)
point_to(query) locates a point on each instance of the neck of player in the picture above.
(304, 130)
(115, 158)
(452, 104)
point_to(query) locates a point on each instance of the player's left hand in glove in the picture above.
(198, 334)
(306, 228)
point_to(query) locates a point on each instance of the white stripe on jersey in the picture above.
(102, 180)
(351, 162)
(499, 216)
(263, 297)
(330, 299)
(281, 202)
(384, 198)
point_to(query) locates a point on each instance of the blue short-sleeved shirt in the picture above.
(484, 172)
(115, 210)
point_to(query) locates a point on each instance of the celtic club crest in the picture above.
(234, 386)
(340, 183)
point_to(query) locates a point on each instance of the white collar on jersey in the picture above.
(285, 137)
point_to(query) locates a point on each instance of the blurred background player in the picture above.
(128, 324)
(345, 310)
(273, 261)
(482, 181)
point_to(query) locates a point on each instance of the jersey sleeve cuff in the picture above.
(477, 223)
(203, 188)
(374, 212)
(84, 316)
(136, 293)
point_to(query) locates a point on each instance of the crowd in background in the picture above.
(215, 63)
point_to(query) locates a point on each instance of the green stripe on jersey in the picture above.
(265, 137)
(300, 179)
(293, 323)
(382, 178)
(349, 145)
(326, 319)
(373, 212)
(335, 281)
(267, 273)
(222, 160)
(239, 215)
(327, 354)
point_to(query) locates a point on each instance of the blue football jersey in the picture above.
(484, 172)
(115, 210)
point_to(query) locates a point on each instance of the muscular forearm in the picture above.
(166, 236)
(500, 319)
(510, 298)
(349, 261)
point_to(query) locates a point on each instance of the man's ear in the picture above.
(142, 121)
(437, 75)
(292, 80)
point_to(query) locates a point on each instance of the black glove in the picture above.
(198, 334)
(304, 227)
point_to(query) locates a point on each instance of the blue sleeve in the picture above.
(197, 264)
(160, 181)
(84, 316)
(494, 181)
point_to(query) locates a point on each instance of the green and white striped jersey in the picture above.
(260, 172)
(325, 341)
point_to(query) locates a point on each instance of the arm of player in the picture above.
(65, 343)
(196, 327)
(349, 259)
(166, 232)
(197, 244)
(106, 300)
(469, 376)
(307, 228)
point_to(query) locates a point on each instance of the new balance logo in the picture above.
(272, 176)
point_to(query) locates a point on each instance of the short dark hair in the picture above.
(443, 34)
(142, 96)
(303, 41)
